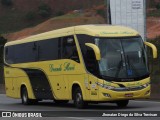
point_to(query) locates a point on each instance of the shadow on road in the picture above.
(70, 106)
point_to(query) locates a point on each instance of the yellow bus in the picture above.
(86, 64)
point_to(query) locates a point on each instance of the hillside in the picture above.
(88, 16)
(27, 13)
(153, 27)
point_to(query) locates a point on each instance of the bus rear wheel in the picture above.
(25, 99)
(122, 103)
(78, 99)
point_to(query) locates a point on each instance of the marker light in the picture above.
(107, 95)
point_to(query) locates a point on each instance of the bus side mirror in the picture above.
(95, 49)
(154, 49)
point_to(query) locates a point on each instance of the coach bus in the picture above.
(86, 64)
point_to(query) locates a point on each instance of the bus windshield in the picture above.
(122, 58)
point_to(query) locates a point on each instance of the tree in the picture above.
(60, 13)
(44, 10)
(158, 6)
(7, 2)
(30, 15)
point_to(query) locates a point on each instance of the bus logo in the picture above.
(62, 67)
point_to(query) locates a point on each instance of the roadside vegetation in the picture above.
(154, 65)
(16, 15)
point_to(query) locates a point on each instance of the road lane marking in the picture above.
(78, 118)
(146, 101)
(6, 110)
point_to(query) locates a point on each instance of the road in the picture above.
(9, 104)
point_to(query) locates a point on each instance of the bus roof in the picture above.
(101, 30)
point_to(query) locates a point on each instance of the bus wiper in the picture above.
(120, 66)
(131, 66)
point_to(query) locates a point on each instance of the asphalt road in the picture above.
(9, 104)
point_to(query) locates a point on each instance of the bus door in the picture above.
(92, 67)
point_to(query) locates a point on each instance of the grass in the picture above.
(68, 16)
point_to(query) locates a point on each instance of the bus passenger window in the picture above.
(69, 49)
(9, 55)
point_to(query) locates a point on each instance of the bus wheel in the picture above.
(61, 101)
(24, 96)
(122, 103)
(78, 99)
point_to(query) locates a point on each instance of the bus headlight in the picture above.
(105, 86)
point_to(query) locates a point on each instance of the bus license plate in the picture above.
(129, 95)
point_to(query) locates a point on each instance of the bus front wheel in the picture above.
(122, 103)
(78, 99)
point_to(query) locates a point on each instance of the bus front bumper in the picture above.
(111, 95)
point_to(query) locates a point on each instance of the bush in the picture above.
(30, 15)
(60, 13)
(7, 2)
(44, 10)
(2, 40)
(101, 12)
(152, 3)
(158, 6)
(155, 13)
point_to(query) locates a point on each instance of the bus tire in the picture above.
(61, 101)
(24, 96)
(78, 99)
(122, 103)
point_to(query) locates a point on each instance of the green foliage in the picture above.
(2, 41)
(151, 3)
(155, 63)
(30, 15)
(7, 2)
(60, 13)
(44, 10)
(158, 6)
(154, 13)
(101, 13)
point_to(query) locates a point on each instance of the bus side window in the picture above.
(69, 49)
(9, 54)
(88, 54)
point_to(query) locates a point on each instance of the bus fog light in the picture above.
(147, 92)
(146, 85)
(107, 95)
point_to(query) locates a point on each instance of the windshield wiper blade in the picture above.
(120, 66)
(131, 66)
